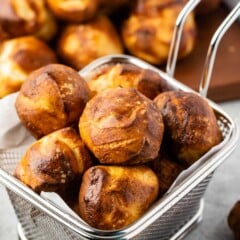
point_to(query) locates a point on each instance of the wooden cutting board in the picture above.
(225, 81)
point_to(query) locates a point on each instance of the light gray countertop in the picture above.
(223, 191)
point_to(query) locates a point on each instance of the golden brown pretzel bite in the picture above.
(122, 126)
(148, 31)
(112, 197)
(18, 58)
(127, 75)
(51, 98)
(54, 161)
(72, 10)
(26, 17)
(190, 124)
(80, 44)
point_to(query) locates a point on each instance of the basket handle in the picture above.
(177, 34)
(212, 50)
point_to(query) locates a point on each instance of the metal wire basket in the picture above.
(175, 213)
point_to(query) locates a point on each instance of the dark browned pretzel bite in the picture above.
(53, 97)
(127, 75)
(234, 220)
(191, 127)
(167, 170)
(122, 126)
(54, 161)
(112, 197)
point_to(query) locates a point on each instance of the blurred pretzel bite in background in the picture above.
(234, 220)
(148, 31)
(52, 97)
(191, 127)
(112, 197)
(18, 58)
(54, 162)
(79, 44)
(26, 17)
(80, 31)
(72, 10)
(122, 126)
(126, 75)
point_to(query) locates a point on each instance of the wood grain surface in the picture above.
(225, 81)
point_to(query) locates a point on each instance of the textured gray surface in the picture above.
(221, 194)
(8, 219)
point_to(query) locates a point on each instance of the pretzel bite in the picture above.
(190, 124)
(18, 58)
(54, 161)
(122, 126)
(167, 170)
(51, 98)
(234, 220)
(147, 32)
(72, 10)
(127, 75)
(80, 44)
(112, 197)
(25, 17)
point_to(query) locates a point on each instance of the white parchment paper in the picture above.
(12, 133)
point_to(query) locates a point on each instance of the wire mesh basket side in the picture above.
(9, 160)
(39, 226)
(35, 224)
(177, 216)
(23, 212)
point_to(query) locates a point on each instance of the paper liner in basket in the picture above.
(14, 137)
(12, 133)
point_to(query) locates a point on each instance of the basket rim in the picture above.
(212, 160)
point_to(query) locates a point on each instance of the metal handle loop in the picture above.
(177, 34)
(212, 50)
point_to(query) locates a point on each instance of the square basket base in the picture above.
(180, 234)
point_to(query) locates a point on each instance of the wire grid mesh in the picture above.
(224, 124)
(9, 159)
(176, 217)
(39, 226)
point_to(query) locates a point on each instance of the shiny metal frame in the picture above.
(211, 160)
